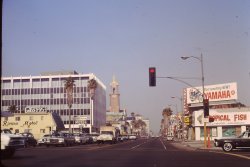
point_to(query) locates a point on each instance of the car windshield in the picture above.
(244, 135)
(7, 131)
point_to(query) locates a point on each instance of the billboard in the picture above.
(220, 92)
(223, 117)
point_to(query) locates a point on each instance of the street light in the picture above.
(203, 95)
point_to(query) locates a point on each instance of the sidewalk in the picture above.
(194, 145)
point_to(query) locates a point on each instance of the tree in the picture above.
(69, 86)
(92, 85)
(138, 125)
(167, 112)
(12, 108)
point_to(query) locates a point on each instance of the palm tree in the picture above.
(69, 85)
(12, 109)
(92, 85)
(138, 125)
(167, 112)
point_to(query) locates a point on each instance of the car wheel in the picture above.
(227, 147)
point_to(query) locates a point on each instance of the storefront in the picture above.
(37, 123)
(228, 122)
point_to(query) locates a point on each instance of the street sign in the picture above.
(187, 119)
(80, 118)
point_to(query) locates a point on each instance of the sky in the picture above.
(124, 38)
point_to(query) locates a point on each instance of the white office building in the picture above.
(47, 93)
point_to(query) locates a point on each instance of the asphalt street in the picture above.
(139, 153)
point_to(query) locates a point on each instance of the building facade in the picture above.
(228, 122)
(37, 123)
(47, 93)
(230, 117)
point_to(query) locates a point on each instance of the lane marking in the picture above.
(138, 145)
(163, 144)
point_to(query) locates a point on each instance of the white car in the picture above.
(10, 142)
(132, 137)
(43, 140)
(170, 138)
(81, 138)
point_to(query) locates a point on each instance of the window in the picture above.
(212, 132)
(228, 131)
(17, 118)
(42, 130)
(42, 118)
(31, 118)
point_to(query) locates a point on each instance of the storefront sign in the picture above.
(239, 117)
(29, 123)
(6, 123)
(41, 109)
(221, 92)
(185, 104)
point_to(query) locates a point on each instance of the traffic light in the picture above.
(206, 107)
(152, 76)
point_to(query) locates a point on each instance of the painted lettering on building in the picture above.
(6, 123)
(41, 109)
(226, 117)
(30, 123)
(219, 95)
(220, 92)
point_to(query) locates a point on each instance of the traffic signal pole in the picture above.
(152, 79)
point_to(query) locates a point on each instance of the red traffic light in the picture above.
(152, 76)
(151, 70)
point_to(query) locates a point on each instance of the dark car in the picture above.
(228, 144)
(29, 139)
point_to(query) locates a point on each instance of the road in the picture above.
(140, 153)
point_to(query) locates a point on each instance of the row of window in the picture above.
(40, 91)
(73, 122)
(26, 130)
(44, 101)
(226, 131)
(61, 112)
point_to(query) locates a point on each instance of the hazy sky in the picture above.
(125, 37)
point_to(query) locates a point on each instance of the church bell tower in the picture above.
(114, 96)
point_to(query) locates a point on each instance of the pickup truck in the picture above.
(10, 142)
(108, 134)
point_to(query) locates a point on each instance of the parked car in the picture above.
(132, 137)
(80, 138)
(43, 140)
(94, 136)
(29, 139)
(228, 144)
(10, 143)
(169, 138)
(89, 138)
(60, 139)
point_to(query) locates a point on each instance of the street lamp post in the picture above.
(203, 90)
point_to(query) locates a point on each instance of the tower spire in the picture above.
(114, 96)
